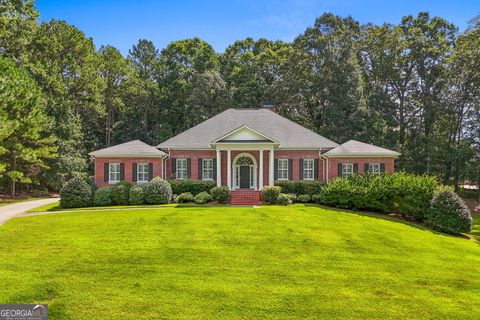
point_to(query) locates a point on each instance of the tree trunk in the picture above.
(14, 179)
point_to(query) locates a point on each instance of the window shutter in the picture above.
(134, 172)
(300, 170)
(200, 169)
(339, 173)
(355, 167)
(150, 171)
(106, 171)
(315, 169)
(275, 169)
(290, 169)
(382, 167)
(365, 167)
(174, 167)
(189, 168)
(214, 169)
(122, 171)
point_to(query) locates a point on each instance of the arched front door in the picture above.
(245, 172)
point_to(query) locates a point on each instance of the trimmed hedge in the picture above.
(301, 187)
(121, 192)
(184, 197)
(192, 186)
(292, 197)
(283, 199)
(76, 193)
(270, 194)
(158, 191)
(220, 194)
(203, 197)
(103, 197)
(303, 198)
(137, 194)
(449, 213)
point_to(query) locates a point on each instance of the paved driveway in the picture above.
(12, 210)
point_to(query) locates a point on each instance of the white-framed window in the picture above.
(142, 172)
(207, 170)
(282, 169)
(374, 167)
(347, 170)
(308, 169)
(182, 172)
(113, 172)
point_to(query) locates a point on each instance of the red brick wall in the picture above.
(99, 167)
(192, 154)
(296, 156)
(333, 164)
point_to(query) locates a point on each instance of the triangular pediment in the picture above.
(244, 134)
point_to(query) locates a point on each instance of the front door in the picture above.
(245, 177)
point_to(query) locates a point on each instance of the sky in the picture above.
(122, 23)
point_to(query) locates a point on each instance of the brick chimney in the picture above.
(270, 106)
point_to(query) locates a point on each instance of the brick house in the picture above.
(244, 149)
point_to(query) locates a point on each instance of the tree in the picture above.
(26, 143)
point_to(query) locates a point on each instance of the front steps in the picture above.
(245, 197)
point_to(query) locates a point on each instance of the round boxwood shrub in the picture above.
(103, 197)
(283, 199)
(121, 192)
(158, 191)
(137, 195)
(303, 198)
(220, 194)
(184, 197)
(202, 197)
(449, 213)
(317, 198)
(270, 194)
(75, 193)
(292, 197)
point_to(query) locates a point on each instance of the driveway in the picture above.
(13, 210)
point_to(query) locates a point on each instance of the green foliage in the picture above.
(316, 198)
(121, 192)
(449, 213)
(137, 194)
(203, 197)
(220, 194)
(184, 197)
(103, 197)
(270, 194)
(304, 198)
(292, 197)
(75, 193)
(192, 186)
(158, 191)
(283, 199)
(301, 186)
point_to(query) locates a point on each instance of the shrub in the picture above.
(75, 193)
(158, 191)
(137, 194)
(184, 197)
(301, 187)
(316, 198)
(121, 192)
(103, 197)
(192, 186)
(270, 194)
(283, 199)
(292, 197)
(202, 197)
(449, 213)
(303, 198)
(220, 194)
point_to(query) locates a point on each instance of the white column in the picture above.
(219, 169)
(260, 172)
(271, 167)
(229, 169)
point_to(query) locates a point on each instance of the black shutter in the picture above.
(300, 169)
(355, 167)
(382, 167)
(214, 169)
(134, 172)
(290, 169)
(174, 167)
(275, 169)
(339, 172)
(150, 171)
(200, 169)
(315, 169)
(366, 167)
(122, 171)
(189, 168)
(106, 171)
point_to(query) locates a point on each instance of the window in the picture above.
(374, 167)
(347, 170)
(114, 172)
(207, 170)
(182, 172)
(308, 169)
(282, 169)
(142, 172)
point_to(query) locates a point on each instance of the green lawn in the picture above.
(294, 262)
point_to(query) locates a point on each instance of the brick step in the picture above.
(245, 197)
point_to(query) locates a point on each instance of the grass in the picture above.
(296, 262)
(56, 207)
(12, 201)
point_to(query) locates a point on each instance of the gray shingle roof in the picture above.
(357, 148)
(288, 133)
(131, 148)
